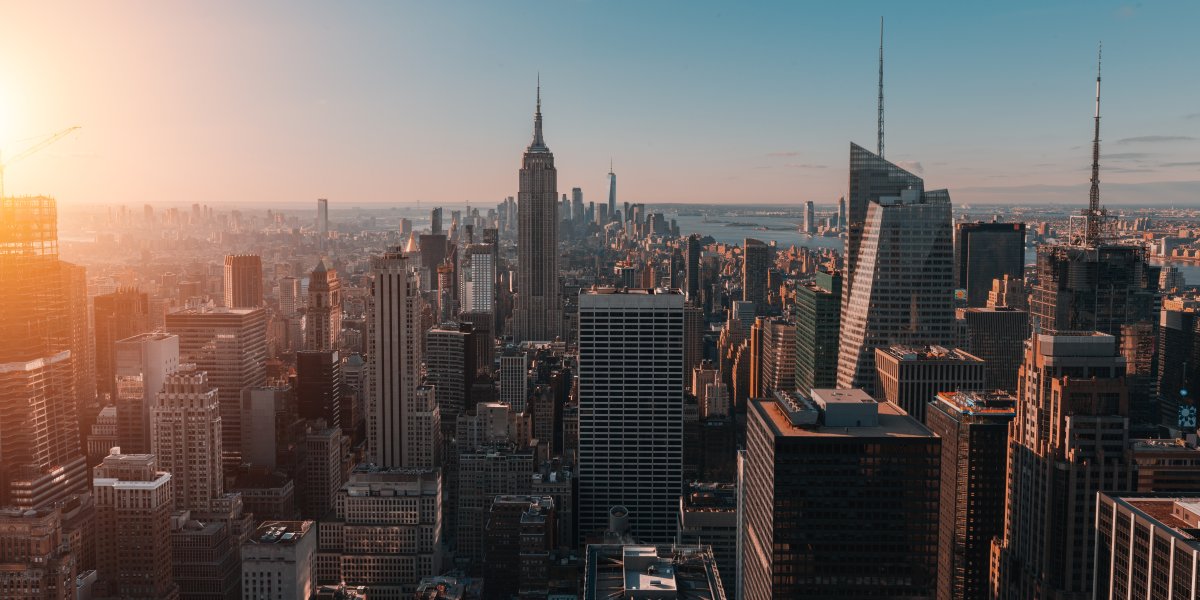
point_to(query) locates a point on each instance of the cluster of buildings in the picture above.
(603, 409)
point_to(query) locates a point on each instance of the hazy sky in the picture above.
(399, 102)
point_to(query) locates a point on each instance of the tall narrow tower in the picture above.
(880, 133)
(324, 315)
(538, 313)
(612, 192)
(394, 351)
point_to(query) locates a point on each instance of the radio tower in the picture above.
(1095, 214)
(880, 148)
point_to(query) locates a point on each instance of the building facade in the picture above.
(538, 312)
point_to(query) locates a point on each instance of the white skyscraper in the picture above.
(394, 360)
(631, 409)
(477, 279)
(903, 286)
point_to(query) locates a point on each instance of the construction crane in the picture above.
(32, 149)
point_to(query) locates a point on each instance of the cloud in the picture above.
(911, 166)
(1126, 12)
(806, 166)
(1155, 139)
(1192, 116)
(1131, 156)
(783, 154)
(1158, 193)
(1181, 164)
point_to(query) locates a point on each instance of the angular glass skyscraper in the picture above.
(900, 287)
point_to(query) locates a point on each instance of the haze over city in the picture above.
(279, 103)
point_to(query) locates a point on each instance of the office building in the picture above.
(514, 378)
(810, 218)
(910, 377)
(1179, 347)
(290, 298)
(319, 386)
(694, 328)
(818, 322)
(119, 315)
(39, 412)
(133, 528)
(708, 514)
(385, 534)
(277, 561)
(538, 312)
(987, 251)
(612, 193)
(1146, 545)
(772, 356)
(974, 431)
(756, 260)
(518, 540)
(901, 285)
(323, 474)
(230, 345)
(1070, 440)
(450, 368)
(630, 405)
(1008, 292)
(639, 572)
(484, 472)
(841, 214)
(322, 220)
(477, 279)
(269, 412)
(35, 560)
(997, 336)
(204, 557)
(142, 363)
(243, 281)
(840, 499)
(871, 178)
(693, 276)
(186, 440)
(323, 318)
(393, 359)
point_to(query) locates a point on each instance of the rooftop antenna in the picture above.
(880, 148)
(1094, 213)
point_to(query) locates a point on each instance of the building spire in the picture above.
(1094, 213)
(880, 132)
(538, 142)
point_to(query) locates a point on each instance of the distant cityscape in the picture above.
(553, 396)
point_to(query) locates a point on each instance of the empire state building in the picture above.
(538, 312)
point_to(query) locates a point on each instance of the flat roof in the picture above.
(893, 423)
(280, 532)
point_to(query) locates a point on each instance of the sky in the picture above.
(701, 102)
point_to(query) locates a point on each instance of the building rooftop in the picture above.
(710, 497)
(280, 532)
(1178, 515)
(890, 420)
(633, 572)
(979, 403)
(928, 353)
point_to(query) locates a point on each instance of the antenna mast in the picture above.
(880, 147)
(1094, 213)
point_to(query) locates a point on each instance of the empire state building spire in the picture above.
(538, 144)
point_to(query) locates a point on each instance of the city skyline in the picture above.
(697, 104)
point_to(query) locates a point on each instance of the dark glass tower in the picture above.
(818, 321)
(987, 251)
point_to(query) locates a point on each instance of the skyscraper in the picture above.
(1147, 544)
(538, 313)
(818, 321)
(450, 368)
(692, 268)
(755, 262)
(630, 404)
(230, 345)
(773, 356)
(121, 314)
(871, 178)
(394, 360)
(901, 284)
(477, 279)
(186, 423)
(841, 214)
(319, 386)
(323, 321)
(142, 365)
(322, 220)
(40, 445)
(35, 561)
(133, 528)
(612, 192)
(908, 377)
(435, 220)
(987, 251)
(974, 431)
(810, 218)
(997, 335)
(243, 281)
(1070, 439)
(840, 499)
